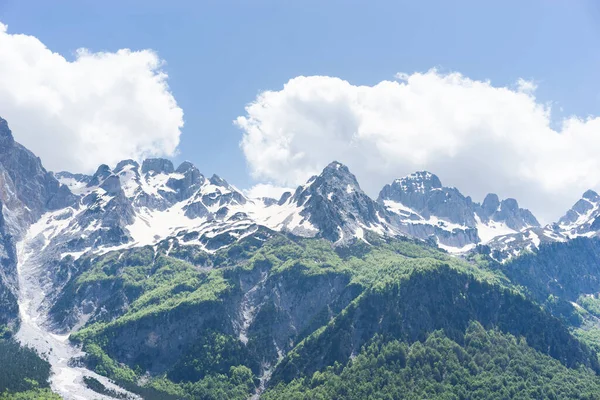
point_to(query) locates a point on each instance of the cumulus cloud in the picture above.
(99, 108)
(475, 136)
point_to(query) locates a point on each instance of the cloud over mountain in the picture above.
(474, 135)
(99, 108)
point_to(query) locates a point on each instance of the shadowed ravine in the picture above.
(66, 379)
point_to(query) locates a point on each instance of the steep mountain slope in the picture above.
(450, 300)
(8, 263)
(482, 364)
(27, 191)
(337, 208)
(135, 205)
(283, 306)
(564, 277)
(139, 205)
(582, 220)
(429, 210)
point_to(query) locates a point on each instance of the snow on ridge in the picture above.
(492, 229)
(76, 187)
(397, 207)
(161, 213)
(457, 250)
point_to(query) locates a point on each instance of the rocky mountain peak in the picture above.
(582, 213)
(334, 177)
(6, 138)
(112, 185)
(420, 181)
(591, 196)
(336, 174)
(26, 188)
(158, 166)
(185, 167)
(189, 184)
(122, 165)
(509, 204)
(423, 193)
(506, 211)
(426, 207)
(336, 206)
(218, 181)
(64, 176)
(490, 204)
(514, 217)
(100, 175)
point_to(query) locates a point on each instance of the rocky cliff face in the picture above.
(582, 220)
(444, 214)
(584, 217)
(336, 206)
(8, 277)
(268, 311)
(27, 191)
(423, 192)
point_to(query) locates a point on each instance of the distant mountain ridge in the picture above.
(136, 204)
(455, 221)
(130, 203)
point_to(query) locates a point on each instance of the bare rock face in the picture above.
(336, 205)
(8, 276)
(27, 191)
(443, 214)
(581, 220)
(582, 217)
(506, 211)
(158, 166)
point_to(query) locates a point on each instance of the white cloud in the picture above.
(266, 190)
(99, 108)
(474, 136)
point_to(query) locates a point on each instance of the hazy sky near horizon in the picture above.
(491, 97)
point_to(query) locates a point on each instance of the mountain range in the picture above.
(136, 205)
(146, 280)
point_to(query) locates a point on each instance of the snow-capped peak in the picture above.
(420, 181)
(582, 220)
(427, 208)
(583, 217)
(135, 204)
(335, 205)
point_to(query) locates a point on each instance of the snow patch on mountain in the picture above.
(491, 229)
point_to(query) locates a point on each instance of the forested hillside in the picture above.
(276, 314)
(481, 364)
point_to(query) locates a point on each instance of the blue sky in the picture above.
(221, 54)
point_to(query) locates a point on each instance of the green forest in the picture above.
(482, 364)
(23, 373)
